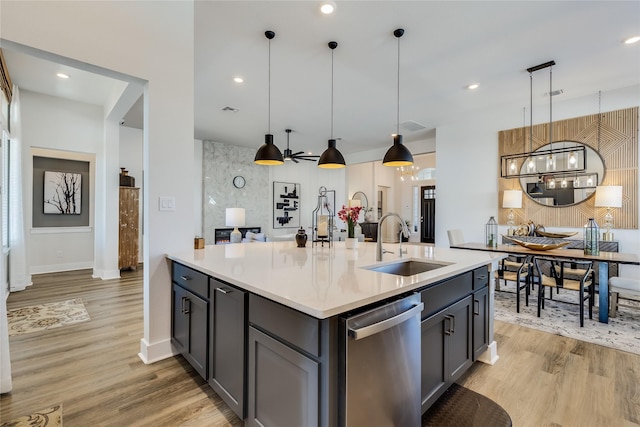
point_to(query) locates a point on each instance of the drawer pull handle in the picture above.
(483, 277)
(224, 290)
(476, 311)
(185, 278)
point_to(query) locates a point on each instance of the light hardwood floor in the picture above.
(93, 370)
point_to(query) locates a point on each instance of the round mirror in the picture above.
(564, 173)
(359, 195)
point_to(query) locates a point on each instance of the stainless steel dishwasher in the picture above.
(382, 365)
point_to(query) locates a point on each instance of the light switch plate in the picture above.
(166, 203)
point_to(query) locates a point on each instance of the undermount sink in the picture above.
(407, 268)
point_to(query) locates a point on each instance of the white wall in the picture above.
(311, 178)
(139, 46)
(59, 128)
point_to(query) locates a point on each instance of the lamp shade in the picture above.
(398, 154)
(609, 196)
(234, 217)
(268, 154)
(331, 158)
(512, 199)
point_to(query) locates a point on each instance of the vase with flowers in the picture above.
(350, 216)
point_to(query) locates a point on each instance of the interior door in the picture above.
(428, 214)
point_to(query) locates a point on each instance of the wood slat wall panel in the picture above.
(618, 146)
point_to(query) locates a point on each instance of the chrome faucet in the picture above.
(405, 232)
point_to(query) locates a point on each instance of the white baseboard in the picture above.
(151, 353)
(21, 287)
(490, 356)
(105, 274)
(55, 268)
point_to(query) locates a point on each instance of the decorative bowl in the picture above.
(538, 246)
(557, 235)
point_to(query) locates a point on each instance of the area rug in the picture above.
(561, 316)
(46, 316)
(50, 417)
(461, 407)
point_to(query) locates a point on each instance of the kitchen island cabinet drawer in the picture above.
(190, 279)
(480, 278)
(443, 294)
(298, 329)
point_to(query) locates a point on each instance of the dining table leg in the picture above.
(603, 291)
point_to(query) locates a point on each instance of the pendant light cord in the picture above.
(531, 112)
(269, 92)
(550, 108)
(398, 99)
(332, 93)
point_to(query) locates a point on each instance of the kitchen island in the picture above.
(263, 323)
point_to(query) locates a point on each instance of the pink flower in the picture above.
(349, 214)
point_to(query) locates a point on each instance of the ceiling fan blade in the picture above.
(305, 158)
(297, 154)
(295, 160)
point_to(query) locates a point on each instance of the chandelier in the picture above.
(410, 172)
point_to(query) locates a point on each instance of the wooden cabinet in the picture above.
(190, 314)
(129, 227)
(227, 351)
(446, 349)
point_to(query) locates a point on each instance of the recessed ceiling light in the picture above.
(328, 7)
(631, 40)
(473, 86)
(63, 75)
(238, 79)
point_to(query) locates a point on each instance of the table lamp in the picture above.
(608, 196)
(234, 217)
(511, 199)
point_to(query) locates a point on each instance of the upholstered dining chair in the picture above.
(455, 237)
(573, 275)
(517, 269)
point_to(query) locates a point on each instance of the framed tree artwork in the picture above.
(62, 193)
(286, 205)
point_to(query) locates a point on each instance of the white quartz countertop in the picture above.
(323, 281)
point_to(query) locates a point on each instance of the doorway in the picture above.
(428, 214)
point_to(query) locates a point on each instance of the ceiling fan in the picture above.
(289, 155)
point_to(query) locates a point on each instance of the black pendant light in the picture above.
(331, 158)
(268, 154)
(398, 154)
(536, 190)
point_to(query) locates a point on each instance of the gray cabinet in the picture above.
(446, 349)
(190, 315)
(189, 327)
(285, 365)
(227, 351)
(480, 311)
(283, 384)
(480, 322)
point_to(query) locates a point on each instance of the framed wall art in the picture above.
(286, 205)
(62, 193)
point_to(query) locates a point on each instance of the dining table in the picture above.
(603, 259)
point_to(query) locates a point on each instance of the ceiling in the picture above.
(446, 46)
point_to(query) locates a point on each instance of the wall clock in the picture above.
(238, 181)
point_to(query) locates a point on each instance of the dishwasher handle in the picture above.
(385, 324)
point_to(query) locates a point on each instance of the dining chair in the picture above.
(455, 237)
(625, 286)
(517, 269)
(574, 275)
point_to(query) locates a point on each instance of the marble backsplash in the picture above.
(221, 163)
